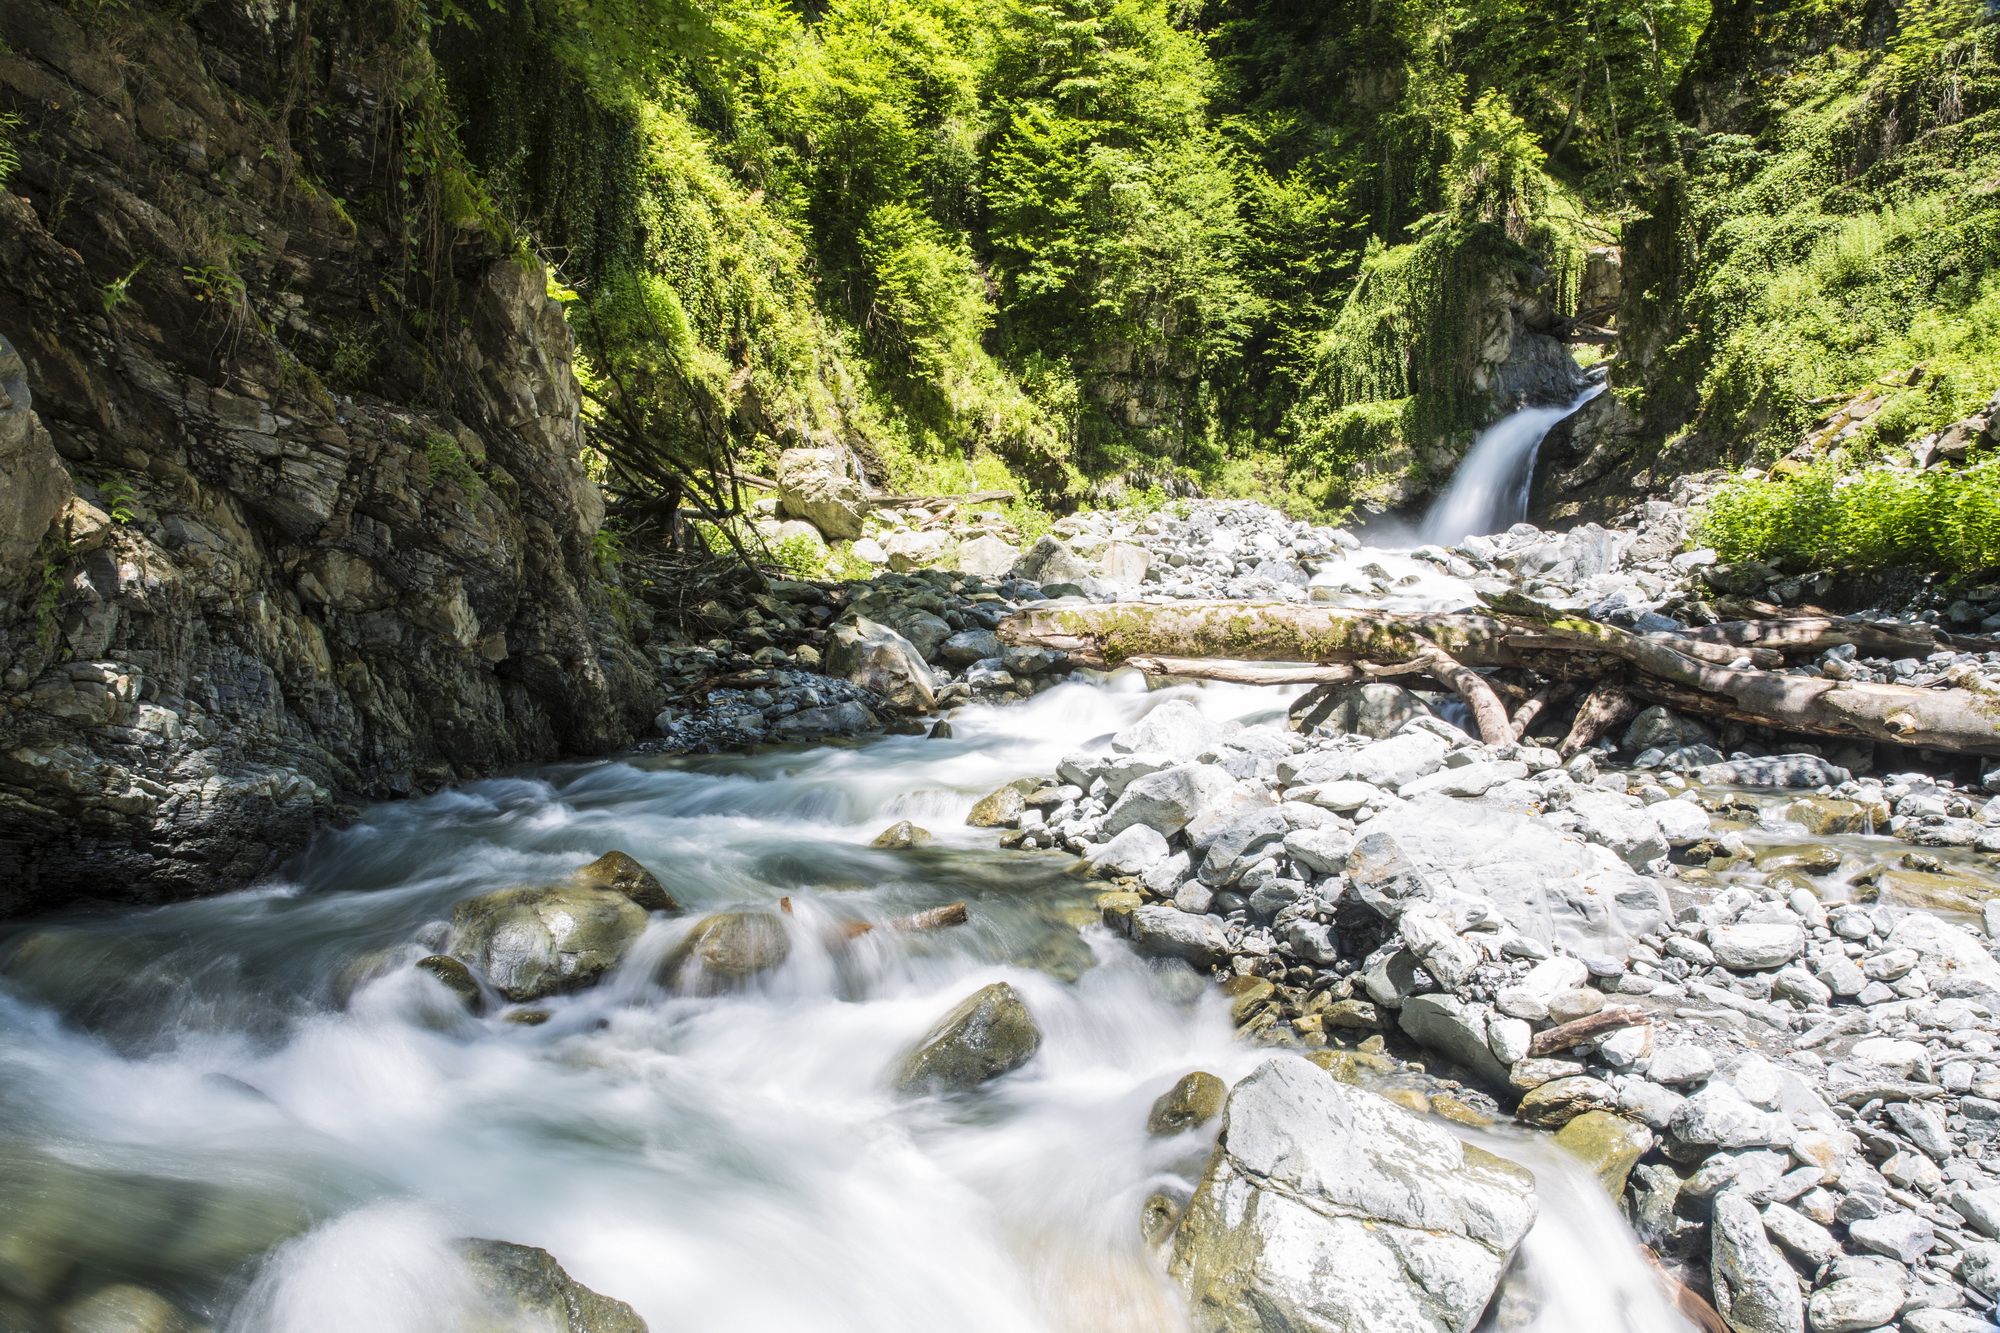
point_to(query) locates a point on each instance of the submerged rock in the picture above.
(726, 949)
(532, 943)
(621, 874)
(1610, 1145)
(526, 1289)
(990, 1033)
(123, 1308)
(1325, 1207)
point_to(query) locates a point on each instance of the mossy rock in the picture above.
(124, 1308)
(457, 978)
(525, 1288)
(1826, 817)
(1351, 1066)
(726, 949)
(1610, 1145)
(1003, 806)
(900, 835)
(1813, 859)
(621, 874)
(533, 943)
(1946, 892)
(988, 1034)
(1193, 1101)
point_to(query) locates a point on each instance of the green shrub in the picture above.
(1832, 517)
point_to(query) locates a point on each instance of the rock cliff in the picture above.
(293, 513)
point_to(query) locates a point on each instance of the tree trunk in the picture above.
(1677, 670)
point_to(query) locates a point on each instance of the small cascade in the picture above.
(1489, 492)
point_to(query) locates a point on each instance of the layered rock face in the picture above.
(237, 587)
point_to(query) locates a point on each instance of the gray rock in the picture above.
(1802, 1236)
(1980, 1269)
(1944, 1321)
(1132, 850)
(1400, 759)
(1310, 940)
(1320, 850)
(1901, 1236)
(813, 485)
(1474, 779)
(1860, 1293)
(1754, 1287)
(1682, 823)
(1717, 1117)
(1159, 931)
(1613, 821)
(1454, 1027)
(1979, 1207)
(1923, 1126)
(1680, 1064)
(968, 646)
(1241, 842)
(1326, 1207)
(533, 943)
(1049, 561)
(1169, 800)
(1842, 976)
(1649, 1101)
(525, 1288)
(926, 632)
(985, 555)
(1756, 948)
(988, 1034)
(877, 658)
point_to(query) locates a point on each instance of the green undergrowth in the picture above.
(1833, 516)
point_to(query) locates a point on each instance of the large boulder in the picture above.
(1400, 759)
(875, 657)
(1049, 561)
(725, 950)
(1620, 823)
(813, 485)
(1169, 800)
(522, 1288)
(1176, 729)
(1325, 1207)
(986, 556)
(968, 646)
(1375, 708)
(926, 632)
(1455, 1028)
(913, 550)
(533, 943)
(990, 1033)
(1755, 1290)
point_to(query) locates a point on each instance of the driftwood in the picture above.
(1603, 708)
(1680, 670)
(1585, 1029)
(933, 501)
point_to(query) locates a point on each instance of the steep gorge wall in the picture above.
(276, 533)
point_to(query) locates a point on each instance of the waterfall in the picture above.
(1489, 492)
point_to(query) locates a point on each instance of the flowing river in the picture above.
(182, 1087)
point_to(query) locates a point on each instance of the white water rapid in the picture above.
(1489, 492)
(180, 1086)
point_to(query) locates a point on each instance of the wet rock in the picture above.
(726, 949)
(532, 943)
(990, 1033)
(877, 658)
(900, 835)
(1610, 1145)
(1824, 817)
(1159, 1215)
(1553, 1104)
(1754, 1287)
(622, 874)
(813, 485)
(1158, 931)
(123, 1308)
(1193, 1101)
(1325, 1207)
(1860, 1293)
(1003, 806)
(457, 978)
(525, 1288)
(1938, 891)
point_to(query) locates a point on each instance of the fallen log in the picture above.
(1585, 1029)
(1603, 708)
(1554, 692)
(933, 501)
(1816, 634)
(1488, 713)
(1518, 632)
